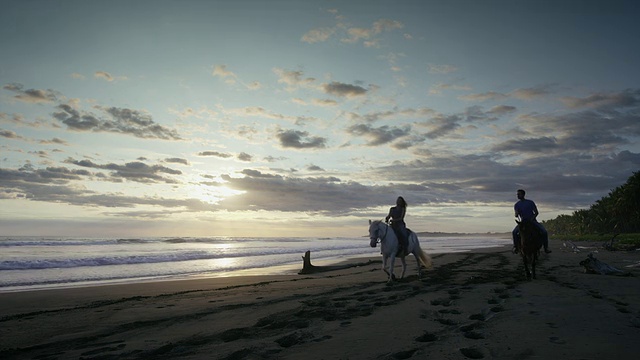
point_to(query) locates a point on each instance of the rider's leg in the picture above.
(545, 237)
(515, 234)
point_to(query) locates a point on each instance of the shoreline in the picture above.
(470, 305)
(275, 270)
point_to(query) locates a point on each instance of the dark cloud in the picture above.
(380, 135)
(300, 140)
(243, 156)
(215, 153)
(624, 99)
(31, 95)
(542, 144)
(177, 161)
(123, 121)
(589, 130)
(486, 96)
(290, 194)
(344, 90)
(134, 171)
(442, 125)
(500, 110)
(54, 140)
(9, 134)
(391, 114)
(533, 92)
(55, 185)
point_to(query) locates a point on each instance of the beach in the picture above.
(470, 305)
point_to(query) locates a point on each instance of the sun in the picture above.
(213, 194)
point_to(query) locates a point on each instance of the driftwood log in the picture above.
(594, 266)
(308, 268)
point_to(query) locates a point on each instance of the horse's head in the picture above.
(374, 230)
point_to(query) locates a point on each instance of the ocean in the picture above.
(33, 263)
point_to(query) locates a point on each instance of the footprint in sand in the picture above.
(472, 353)
(427, 337)
(473, 335)
(557, 340)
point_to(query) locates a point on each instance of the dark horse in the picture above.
(530, 244)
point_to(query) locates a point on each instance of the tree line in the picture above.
(616, 213)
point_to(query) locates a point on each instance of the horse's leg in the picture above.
(384, 264)
(404, 266)
(391, 265)
(525, 260)
(533, 264)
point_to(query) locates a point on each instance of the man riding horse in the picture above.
(527, 210)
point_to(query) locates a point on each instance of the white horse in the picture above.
(389, 247)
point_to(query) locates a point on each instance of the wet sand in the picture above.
(470, 305)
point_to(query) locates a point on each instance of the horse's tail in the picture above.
(424, 258)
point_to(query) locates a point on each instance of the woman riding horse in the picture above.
(396, 214)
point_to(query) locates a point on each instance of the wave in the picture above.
(30, 241)
(165, 257)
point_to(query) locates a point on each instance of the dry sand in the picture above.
(469, 306)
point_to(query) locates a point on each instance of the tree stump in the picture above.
(308, 268)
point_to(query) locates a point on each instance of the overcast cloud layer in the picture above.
(308, 118)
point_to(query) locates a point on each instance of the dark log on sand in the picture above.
(594, 266)
(308, 268)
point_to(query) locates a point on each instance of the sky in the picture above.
(308, 118)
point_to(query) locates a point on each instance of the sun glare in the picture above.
(213, 195)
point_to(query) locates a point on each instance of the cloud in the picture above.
(590, 130)
(177, 161)
(352, 34)
(300, 140)
(380, 135)
(344, 90)
(486, 96)
(500, 110)
(531, 145)
(318, 35)
(222, 72)
(624, 99)
(441, 69)
(10, 134)
(532, 93)
(107, 76)
(54, 140)
(324, 102)
(243, 156)
(391, 114)
(438, 88)
(135, 171)
(258, 111)
(293, 79)
(33, 96)
(123, 121)
(290, 194)
(442, 125)
(103, 75)
(386, 25)
(215, 153)
(55, 185)
(522, 94)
